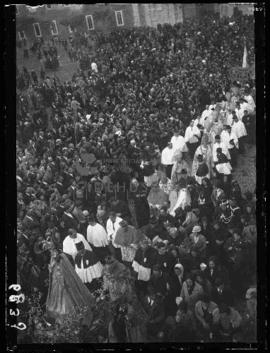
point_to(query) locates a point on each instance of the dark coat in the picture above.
(69, 221)
(147, 258)
(89, 259)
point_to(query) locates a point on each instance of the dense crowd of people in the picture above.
(127, 171)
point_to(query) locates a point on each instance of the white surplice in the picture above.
(69, 244)
(179, 143)
(239, 129)
(97, 235)
(167, 156)
(225, 138)
(224, 150)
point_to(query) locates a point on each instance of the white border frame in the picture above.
(87, 24)
(55, 33)
(116, 18)
(38, 36)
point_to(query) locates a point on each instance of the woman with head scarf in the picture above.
(176, 280)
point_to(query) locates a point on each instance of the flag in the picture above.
(245, 64)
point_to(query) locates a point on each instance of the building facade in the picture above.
(58, 19)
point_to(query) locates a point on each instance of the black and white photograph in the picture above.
(137, 175)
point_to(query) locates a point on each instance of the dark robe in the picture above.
(139, 207)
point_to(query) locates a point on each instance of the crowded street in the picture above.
(136, 184)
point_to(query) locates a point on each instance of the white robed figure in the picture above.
(219, 144)
(238, 128)
(73, 238)
(178, 142)
(227, 136)
(205, 150)
(87, 265)
(223, 166)
(127, 238)
(183, 199)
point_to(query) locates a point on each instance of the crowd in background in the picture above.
(128, 168)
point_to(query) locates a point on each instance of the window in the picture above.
(89, 22)
(54, 29)
(21, 35)
(119, 18)
(37, 29)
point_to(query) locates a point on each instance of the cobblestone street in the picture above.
(245, 172)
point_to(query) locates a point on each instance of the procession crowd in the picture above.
(127, 171)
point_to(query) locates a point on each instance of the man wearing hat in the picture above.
(87, 266)
(229, 139)
(167, 158)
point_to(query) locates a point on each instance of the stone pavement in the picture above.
(245, 172)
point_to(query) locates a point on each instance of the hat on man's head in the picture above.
(217, 137)
(196, 229)
(85, 213)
